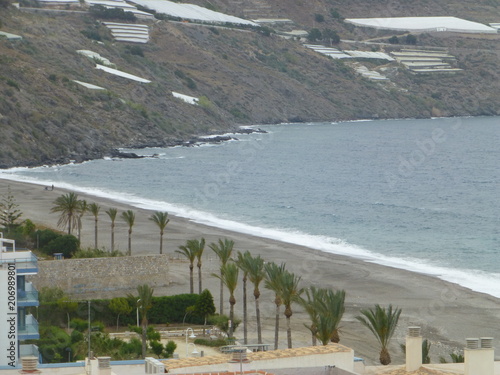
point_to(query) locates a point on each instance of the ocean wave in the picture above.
(477, 280)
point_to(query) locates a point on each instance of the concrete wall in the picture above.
(103, 276)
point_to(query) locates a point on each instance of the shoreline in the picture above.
(447, 312)
(475, 281)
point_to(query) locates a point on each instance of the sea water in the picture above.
(416, 194)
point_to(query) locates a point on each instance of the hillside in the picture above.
(241, 76)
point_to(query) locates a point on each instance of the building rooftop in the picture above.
(257, 356)
(401, 370)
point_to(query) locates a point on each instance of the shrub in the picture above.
(100, 11)
(66, 244)
(92, 34)
(319, 18)
(76, 336)
(134, 346)
(212, 343)
(190, 83)
(170, 349)
(135, 50)
(78, 324)
(394, 39)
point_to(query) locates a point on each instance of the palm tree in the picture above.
(273, 282)
(256, 275)
(67, 205)
(112, 212)
(161, 220)
(326, 308)
(382, 322)
(129, 218)
(290, 292)
(310, 305)
(145, 302)
(189, 251)
(243, 262)
(82, 210)
(223, 250)
(94, 210)
(334, 306)
(229, 277)
(199, 246)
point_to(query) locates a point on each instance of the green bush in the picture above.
(53, 343)
(43, 237)
(212, 343)
(76, 336)
(66, 244)
(100, 11)
(134, 346)
(80, 325)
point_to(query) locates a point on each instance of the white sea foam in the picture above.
(476, 280)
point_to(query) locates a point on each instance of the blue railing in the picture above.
(29, 330)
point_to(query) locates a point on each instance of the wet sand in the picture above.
(446, 312)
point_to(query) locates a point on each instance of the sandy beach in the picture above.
(446, 312)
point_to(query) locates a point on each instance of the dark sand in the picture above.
(446, 312)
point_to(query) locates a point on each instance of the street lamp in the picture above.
(192, 336)
(139, 300)
(194, 352)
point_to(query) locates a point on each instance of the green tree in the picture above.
(129, 218)
(9, 211)
(112, 212)
(411, 39)
(394, 39)
(319, 17)
(66, 244)
(256, 275)
(68, 306)
(204, 306)
(329, 307)
(229, 277)
(382, 322)
(310, 305)
(170, 349)
(157, 348)
(223, 250)
(82, 210)
(67, 206)
(273, 282)
(199, 247)
(314, 35)
(331, 36)
(290, 292)
(119, 306)
(161, 220)
(94, 209)
(243, 262)
(145, 297)
(190, 253)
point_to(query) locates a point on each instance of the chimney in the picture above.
(479, 356)
(104, 366)
(413, 349)
(29, 365)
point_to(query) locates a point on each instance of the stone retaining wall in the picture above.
(88, 277)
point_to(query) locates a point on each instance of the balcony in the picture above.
(29, 330)
(27, 297)
(26, 262)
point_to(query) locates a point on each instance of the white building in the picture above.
(16, 295)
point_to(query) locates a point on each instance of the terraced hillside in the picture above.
(238, 76)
